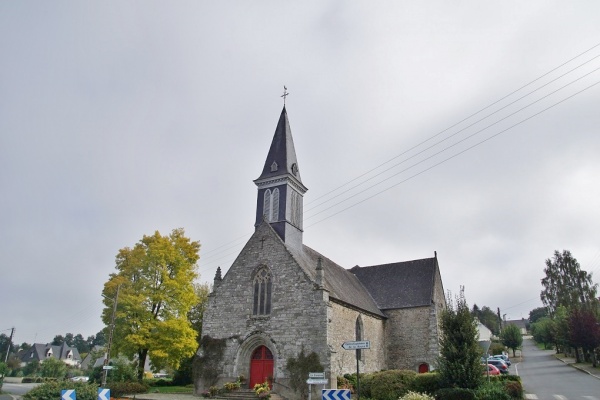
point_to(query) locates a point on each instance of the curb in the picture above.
(579, 368)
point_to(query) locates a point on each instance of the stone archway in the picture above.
(423, 368)
(258, 349)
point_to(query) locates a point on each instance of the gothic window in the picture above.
(296, 209)
(271, 205)
(262, 292)
(274, 167)
(275, 205)
(267, 204)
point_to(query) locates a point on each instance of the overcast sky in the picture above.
(121, 118)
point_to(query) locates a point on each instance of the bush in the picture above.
(492, 391)
(455, 394)
(120, 389)
(387, 385)
(514, 389)
(415, 396)
(345, 383)
(429, 382)
(52, 390)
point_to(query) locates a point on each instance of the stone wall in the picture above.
(341, 328)
(297, 320)
(408, 338)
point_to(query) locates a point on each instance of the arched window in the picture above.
(271, 205)
(267, 204)
(358, 328)
(262, 292)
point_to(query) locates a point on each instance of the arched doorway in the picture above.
(423, 368)
(261, 366)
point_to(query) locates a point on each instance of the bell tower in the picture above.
(280, 189)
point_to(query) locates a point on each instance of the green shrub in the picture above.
(52, 390)
(514, 389)
(345, 383)
(429, 382)
(492, 391)
(416, 396)
(455, 394)
(496, 348)
(120, 389)
(390, 385)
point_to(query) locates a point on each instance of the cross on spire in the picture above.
(285, 94)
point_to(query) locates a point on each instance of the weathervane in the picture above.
(285, 94)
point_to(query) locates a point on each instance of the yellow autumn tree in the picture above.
(155, 285)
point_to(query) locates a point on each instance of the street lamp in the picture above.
(110, 335)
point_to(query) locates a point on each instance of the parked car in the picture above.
(501, 365)
(491, 370)
(503, 358)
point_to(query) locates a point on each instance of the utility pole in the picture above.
(110, 337)
(12, 332)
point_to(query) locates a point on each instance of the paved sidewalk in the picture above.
(584, 367)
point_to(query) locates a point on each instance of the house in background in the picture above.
(522, 324)
(40, 352)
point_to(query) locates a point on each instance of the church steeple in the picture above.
(280, 189)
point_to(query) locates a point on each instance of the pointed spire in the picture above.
(281, 159)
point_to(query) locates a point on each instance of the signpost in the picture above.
(357, 345)
(315, 378)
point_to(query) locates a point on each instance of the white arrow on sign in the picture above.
(359, 344)
(67, 394)
(108, 367)
(335, 394)
(103, 394)
(313, 381)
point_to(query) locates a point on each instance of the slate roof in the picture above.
(39, 351)
(341, 284)
(399, 285)
(282, 152)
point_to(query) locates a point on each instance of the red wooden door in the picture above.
(261, 366)
(423, 368)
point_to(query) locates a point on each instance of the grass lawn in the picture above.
(171, 389)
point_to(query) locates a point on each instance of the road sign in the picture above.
(108, 367)
(313, 381)
(316, 375)
(359, 344)
(68, 394)
(334, 394)
(103, 394)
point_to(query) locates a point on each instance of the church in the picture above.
(280, 298)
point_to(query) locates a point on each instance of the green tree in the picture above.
(53, 368)
(543, 331)
(156, 292)
(487, 317)
(565, 284)
(560, 330)
(58, 340)
(537, 313)
(99, 339)
(511, 337)
(459, 363)
(197, 311)
(32, 368)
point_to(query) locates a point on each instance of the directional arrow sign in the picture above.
(331, 394)
(103, 394)
(313, 381)
(108, 367)
(68, 394)
(359, 344)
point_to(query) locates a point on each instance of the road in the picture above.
(546, 378)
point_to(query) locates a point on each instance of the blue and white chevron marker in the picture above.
(335, 394)
(103, 394)
(68, 394)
